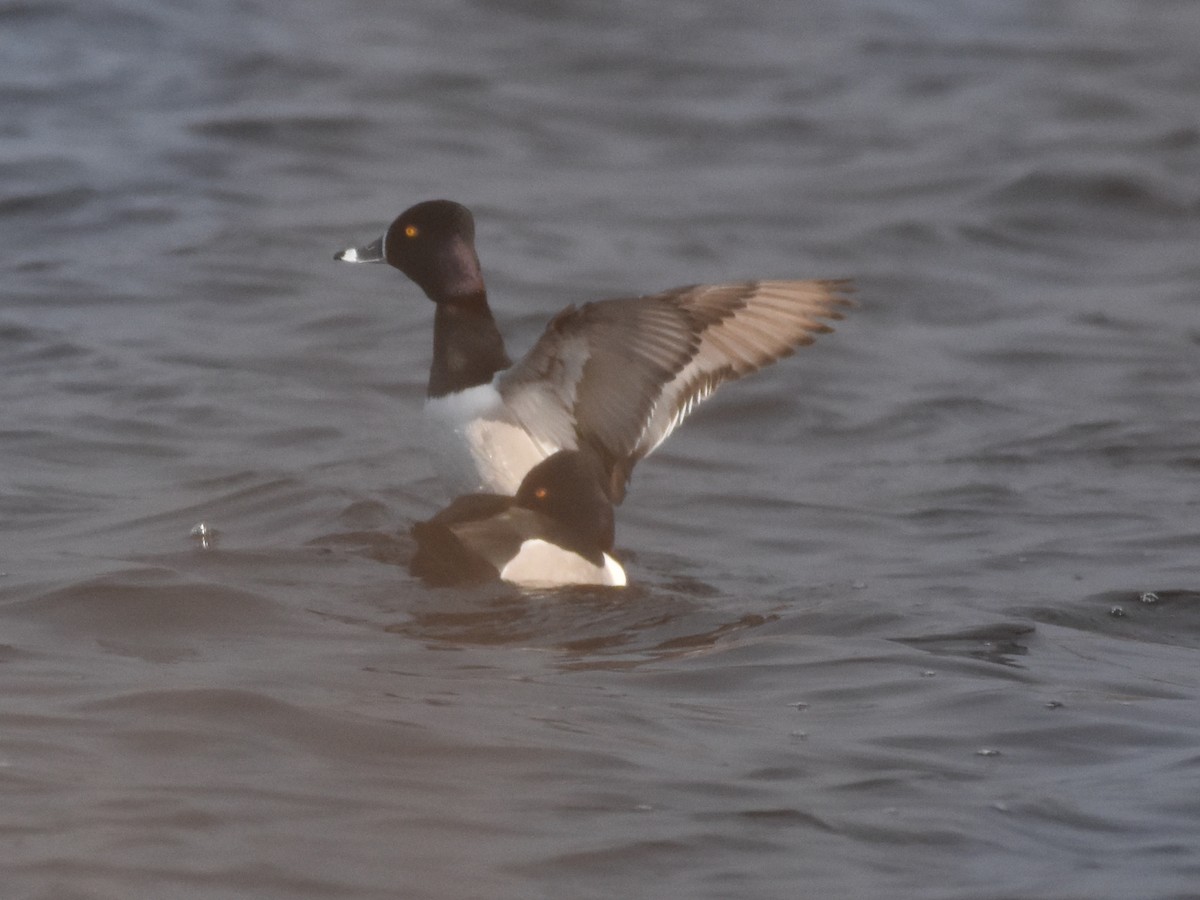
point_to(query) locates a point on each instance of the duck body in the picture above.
(478, 444)
(556, 530)
(616, 376)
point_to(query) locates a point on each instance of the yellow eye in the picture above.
(541, 493)
(411, 230)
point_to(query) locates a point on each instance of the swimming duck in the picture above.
(557, 530)
(618, 374)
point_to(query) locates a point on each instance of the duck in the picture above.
(557, 530)
(617, 374)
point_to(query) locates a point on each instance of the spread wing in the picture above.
(743, 327)
(620, 375)
(597, 372)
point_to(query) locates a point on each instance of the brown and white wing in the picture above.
(742, 328)
(620, 375)
(596, 374)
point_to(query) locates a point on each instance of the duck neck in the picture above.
(590, 541)
(467, 347)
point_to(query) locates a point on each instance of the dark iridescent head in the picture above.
(433, 243)
(566, 487)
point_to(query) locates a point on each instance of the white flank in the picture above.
(616, 573)
(542, 564)
(475, 443)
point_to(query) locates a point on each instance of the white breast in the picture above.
(542, 564)
(477, 445)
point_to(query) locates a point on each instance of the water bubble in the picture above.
(1148, 597)
(1054, 704)
(987, 751)
(928, 673)
(1117, 612)
(204, 535)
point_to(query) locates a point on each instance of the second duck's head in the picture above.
(433, 243)
(566, 487)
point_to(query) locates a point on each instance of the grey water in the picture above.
(916, 612)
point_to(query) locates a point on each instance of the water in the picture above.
(887, 636)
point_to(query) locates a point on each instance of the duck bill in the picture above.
(370, 253)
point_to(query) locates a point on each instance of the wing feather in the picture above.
(620, 375)
(596, 374)
(745, 326)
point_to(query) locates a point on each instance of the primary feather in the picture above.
(620, 375)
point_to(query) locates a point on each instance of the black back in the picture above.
(561, 501)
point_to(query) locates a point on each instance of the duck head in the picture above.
(433, 243)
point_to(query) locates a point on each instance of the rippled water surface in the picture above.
(916, 612)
